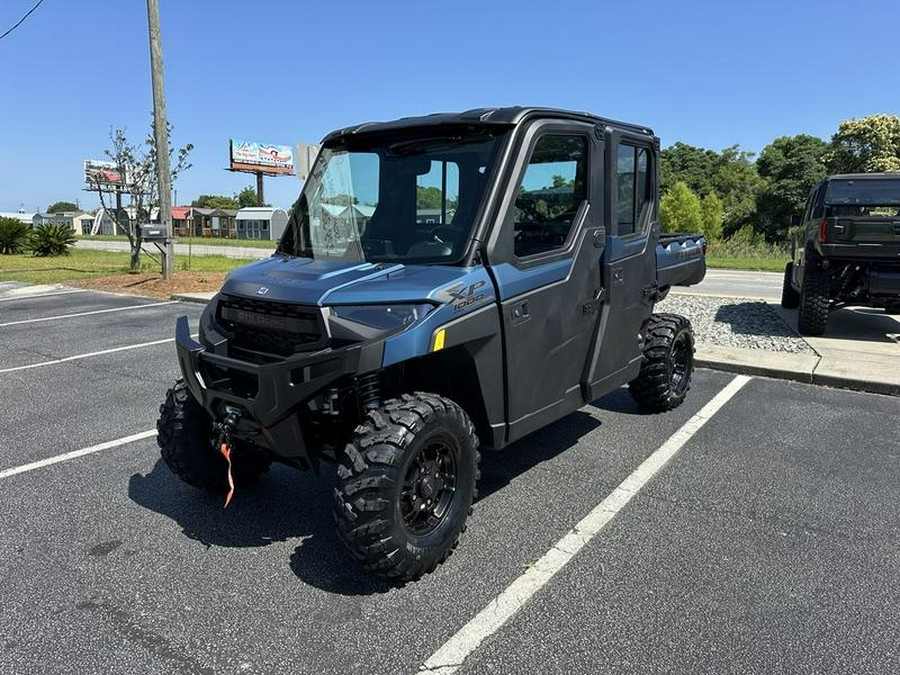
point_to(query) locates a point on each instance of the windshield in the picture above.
(402, 198)
(871, 192)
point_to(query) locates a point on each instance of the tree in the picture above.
(428, 197)
(731, 174)
(247, 197)
(679, 210)
(693, 166)
(215, 202)
(137, 165)
(59, 207)
(866, 144)
(737, 183)
(712, 214)
(790, 167)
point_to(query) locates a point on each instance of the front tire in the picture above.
(815, 290)
(407, 485)
(790, 298)
(186, 442)
(668, 364)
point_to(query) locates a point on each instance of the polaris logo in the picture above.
(262, 290)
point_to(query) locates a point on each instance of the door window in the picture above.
(550, 194)
(634, 199)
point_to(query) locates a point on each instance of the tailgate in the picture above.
(864, 230)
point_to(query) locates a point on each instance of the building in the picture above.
(82, 223)
(261, 222)
(78, 221)
(21, 216)
(102, 223)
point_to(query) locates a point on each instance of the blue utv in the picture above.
(445, 283)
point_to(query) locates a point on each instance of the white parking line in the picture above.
(450, 656)
(96, 311)
(88, 355)
(6, 473)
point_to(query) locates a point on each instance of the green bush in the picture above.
(14, 235)
(747, 244)
(52, 240)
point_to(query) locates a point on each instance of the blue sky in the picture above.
(709, 73)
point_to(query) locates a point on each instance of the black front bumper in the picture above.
(270, 412)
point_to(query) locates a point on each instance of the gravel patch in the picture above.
(735, 322)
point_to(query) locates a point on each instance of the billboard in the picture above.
(105, 175)
(252, 156)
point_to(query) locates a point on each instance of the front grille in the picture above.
(270, 327)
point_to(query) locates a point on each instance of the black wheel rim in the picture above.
(682, 359)
(428, 486)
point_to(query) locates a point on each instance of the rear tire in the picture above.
(407, 485)
(790, 298)
(814, 300)
(186, 443)
(668, 363)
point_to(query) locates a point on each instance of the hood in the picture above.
(336, 282)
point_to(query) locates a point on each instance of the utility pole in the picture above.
(161, 129)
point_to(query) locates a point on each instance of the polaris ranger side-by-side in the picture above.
(849, 249)
(445, 283)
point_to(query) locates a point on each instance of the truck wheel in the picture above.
(789, 297)
(407, 483)
(665, 376)
(814, 300)
(185, 438)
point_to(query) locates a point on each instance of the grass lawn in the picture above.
(764, 264)
(88, 264)
(209, 241)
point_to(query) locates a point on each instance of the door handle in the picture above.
(518, 313)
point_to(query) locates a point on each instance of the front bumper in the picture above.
(271, 396)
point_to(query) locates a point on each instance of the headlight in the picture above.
(384, 317)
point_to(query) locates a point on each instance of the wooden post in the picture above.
(161, 133)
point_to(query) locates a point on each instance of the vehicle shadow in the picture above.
(286, 505)
(499, 468)
(289, 505)
(860, 324)
(754, 318)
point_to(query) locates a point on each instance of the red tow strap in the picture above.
(226, 452)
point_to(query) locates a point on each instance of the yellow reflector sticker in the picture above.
(439, 340)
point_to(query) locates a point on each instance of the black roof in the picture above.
(862, 176)
(487, 116)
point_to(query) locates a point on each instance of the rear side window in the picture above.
(550, 194)
(634, 200)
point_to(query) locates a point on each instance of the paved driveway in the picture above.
(767, 543)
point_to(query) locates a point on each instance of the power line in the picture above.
(20, 21)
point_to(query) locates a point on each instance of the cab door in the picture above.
(629, 265)
(545, 259)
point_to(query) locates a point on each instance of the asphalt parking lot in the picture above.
(767, 544)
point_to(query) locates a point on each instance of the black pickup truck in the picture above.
(848, 252)
(395, 337)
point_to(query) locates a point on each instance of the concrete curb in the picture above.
(805, 368)
(200, 298)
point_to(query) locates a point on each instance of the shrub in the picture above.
(14, 235)
(52, 240)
